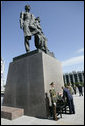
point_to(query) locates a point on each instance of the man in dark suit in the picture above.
(67, 95)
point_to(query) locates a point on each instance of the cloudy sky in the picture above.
(75, 63)
(62, 23)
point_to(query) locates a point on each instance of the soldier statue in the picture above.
(31, 27)
(40, 39)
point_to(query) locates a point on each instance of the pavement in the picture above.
(67, 119)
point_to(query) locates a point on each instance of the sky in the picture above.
(62, 23)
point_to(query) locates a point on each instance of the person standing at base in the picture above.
(74, 88)
(80, 90)
(67, 95)
(52, 92)
(70, 89)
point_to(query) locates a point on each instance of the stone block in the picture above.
(11, 112)
(28, 80)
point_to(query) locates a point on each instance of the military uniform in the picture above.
(53, 101)
(71, 90)
(53, 95)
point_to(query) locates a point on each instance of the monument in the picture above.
(31, 73)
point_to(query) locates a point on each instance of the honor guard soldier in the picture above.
(53, 100)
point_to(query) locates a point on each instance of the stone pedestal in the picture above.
(28, 80)
(11, 113)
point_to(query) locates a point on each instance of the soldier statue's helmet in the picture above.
(27, 7)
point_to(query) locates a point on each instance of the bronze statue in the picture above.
(40, 39)
(31, 27)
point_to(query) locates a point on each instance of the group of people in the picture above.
(75, 87)
(66, 96)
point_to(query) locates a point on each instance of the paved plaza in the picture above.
(67, 119)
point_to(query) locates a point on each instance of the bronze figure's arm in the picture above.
(21, 20)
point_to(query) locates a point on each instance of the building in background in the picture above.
(74, 77)
(2, 75)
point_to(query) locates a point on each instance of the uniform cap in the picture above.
(51, 83)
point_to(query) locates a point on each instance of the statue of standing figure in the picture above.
(31, 27)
